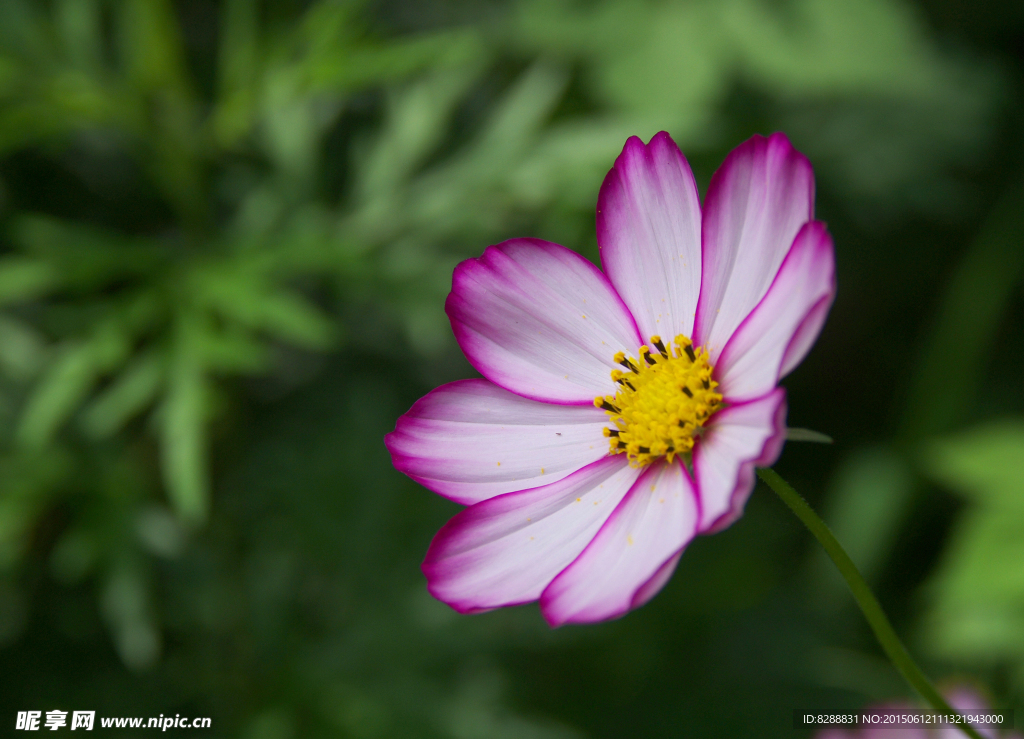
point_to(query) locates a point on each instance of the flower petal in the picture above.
(540, 320)
(757, 201)
(781, 329)
(648, 228)
(658, 580)
(652, 525)
(471, 440)
(738, 439)
(506, 550)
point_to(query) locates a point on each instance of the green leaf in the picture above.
(238, 58)
(25, 278)
(985, 464)
(866, 503)
(183, 440)
(969, 314)
(68, 381)
(22, 349)
(238, 63)
(130, 394)
(417, 119)
(358, 66)
(801, 434)
(278, 312)
(79, 24)
(85, 257)
(152, 53)
(126, 607)
(232, 351)
(978, 591)
(28, 482)
(23, 31)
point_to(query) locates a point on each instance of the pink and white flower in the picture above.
(586, 508)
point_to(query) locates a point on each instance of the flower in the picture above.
(961, 698)
(595, 449)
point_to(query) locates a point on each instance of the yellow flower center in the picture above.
(662, 403)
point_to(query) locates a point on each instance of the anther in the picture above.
(620, 358)
(648, 406)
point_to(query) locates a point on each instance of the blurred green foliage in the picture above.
(226, 234)
(978, 616)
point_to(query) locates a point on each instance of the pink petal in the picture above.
(471, 440)
(967, 700)
(738, 439)
(540, 320)
(806, 334)
(757, 201)
(649, 528)
(648, 228)
(506, 550)
(781, 329)
(658, 580)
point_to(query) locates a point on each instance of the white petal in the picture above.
(756, 202)
(781, 329)
(648, 228)
(738, 439)
(506, 550)
(540, 320)
(471, 440)
(658, 580)
(650, 527)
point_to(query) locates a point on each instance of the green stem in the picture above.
(886, 635)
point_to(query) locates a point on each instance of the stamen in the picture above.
(661, 407)
(620, 358)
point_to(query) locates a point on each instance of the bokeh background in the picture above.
(226, 234)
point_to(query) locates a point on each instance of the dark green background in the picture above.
(226, 234)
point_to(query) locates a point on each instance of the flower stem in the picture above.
(869, 605)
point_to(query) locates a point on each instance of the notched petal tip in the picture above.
(648, 232)
(756, 203)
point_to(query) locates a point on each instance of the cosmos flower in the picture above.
(622, 412)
